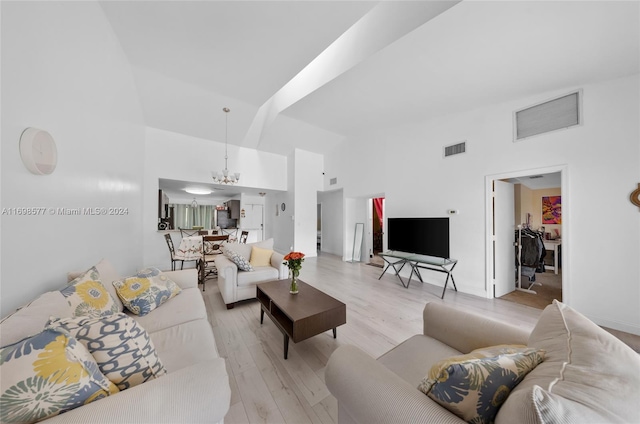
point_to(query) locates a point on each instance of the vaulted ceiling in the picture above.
(310, 74)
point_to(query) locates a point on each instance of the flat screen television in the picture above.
(426, 236)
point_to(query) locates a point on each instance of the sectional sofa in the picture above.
(474, 369)
(192, 387)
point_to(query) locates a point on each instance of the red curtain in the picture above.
(377, 203)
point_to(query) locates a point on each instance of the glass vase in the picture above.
(293, 288)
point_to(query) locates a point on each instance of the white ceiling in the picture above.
(539, 181)
(175, 190)
(190, 59)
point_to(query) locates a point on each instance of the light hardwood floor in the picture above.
(266, 388)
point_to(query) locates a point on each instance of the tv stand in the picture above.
(397, 260)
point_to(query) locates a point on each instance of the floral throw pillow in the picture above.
(239, 260)
(87, 296)
(475, 388)
(121, 347)
(145, 291)
(46, 375)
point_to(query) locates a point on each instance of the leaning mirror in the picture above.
(357, 242)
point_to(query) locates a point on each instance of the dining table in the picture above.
(190, 249)
(231, 232)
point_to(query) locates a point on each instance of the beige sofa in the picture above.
(236, 284)
(588, 376)
(194, 390)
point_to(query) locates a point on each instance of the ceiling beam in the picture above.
(382, 26)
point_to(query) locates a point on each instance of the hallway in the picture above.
(550, 289)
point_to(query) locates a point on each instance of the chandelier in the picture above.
(225, 177)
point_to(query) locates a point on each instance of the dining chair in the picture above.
(185, 232)
(203, 232)
(243, 236)
(210, 249)
(172, 250)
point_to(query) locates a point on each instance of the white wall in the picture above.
(332, 222)
(603, 166)
(280, 223)
(307, 182)
(63, 71)
(181, 157)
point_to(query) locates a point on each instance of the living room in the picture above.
(66, 68)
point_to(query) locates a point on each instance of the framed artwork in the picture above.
(552, 210)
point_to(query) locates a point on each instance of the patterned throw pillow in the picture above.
(88, 297)
(475, 388)
(145, 291)
(486, 352)
(46, 375)
(238, 259)
(121, 347)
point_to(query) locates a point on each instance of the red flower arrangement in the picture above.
(293, 260)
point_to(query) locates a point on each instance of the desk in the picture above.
(555, 246)
(396, 259)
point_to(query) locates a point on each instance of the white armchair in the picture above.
(236, 284)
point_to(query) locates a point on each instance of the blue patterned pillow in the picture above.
(239, 260)
(121, 347)
(88, 297)
(145, 291)
(474, 389)
(46, 375)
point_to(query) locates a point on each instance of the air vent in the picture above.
(333, 181)
(563, 112)
(535, 177)
(455, 149)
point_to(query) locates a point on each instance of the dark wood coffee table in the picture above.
(299, 316)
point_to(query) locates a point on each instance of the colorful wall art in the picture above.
(552, 210)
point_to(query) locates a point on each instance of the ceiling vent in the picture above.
(333, 181)
(557, 114)
(455, 149)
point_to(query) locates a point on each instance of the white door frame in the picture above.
(566, 227)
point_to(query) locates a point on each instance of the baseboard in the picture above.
(616, 325)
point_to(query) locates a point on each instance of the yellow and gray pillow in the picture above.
(145, 291)
(46, 375)
(87, 296)
(121, 347)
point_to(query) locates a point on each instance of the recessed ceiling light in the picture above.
(196, 190)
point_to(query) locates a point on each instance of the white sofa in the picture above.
(587, 376)
(236, 284)
(194, 390)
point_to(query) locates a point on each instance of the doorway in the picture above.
(539, 204)
(253, 221)
(377, 230)
(319, 228)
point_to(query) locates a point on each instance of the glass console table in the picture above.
(397, 260)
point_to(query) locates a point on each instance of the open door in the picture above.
(253, 221)
(377, 224)
(504, 275)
